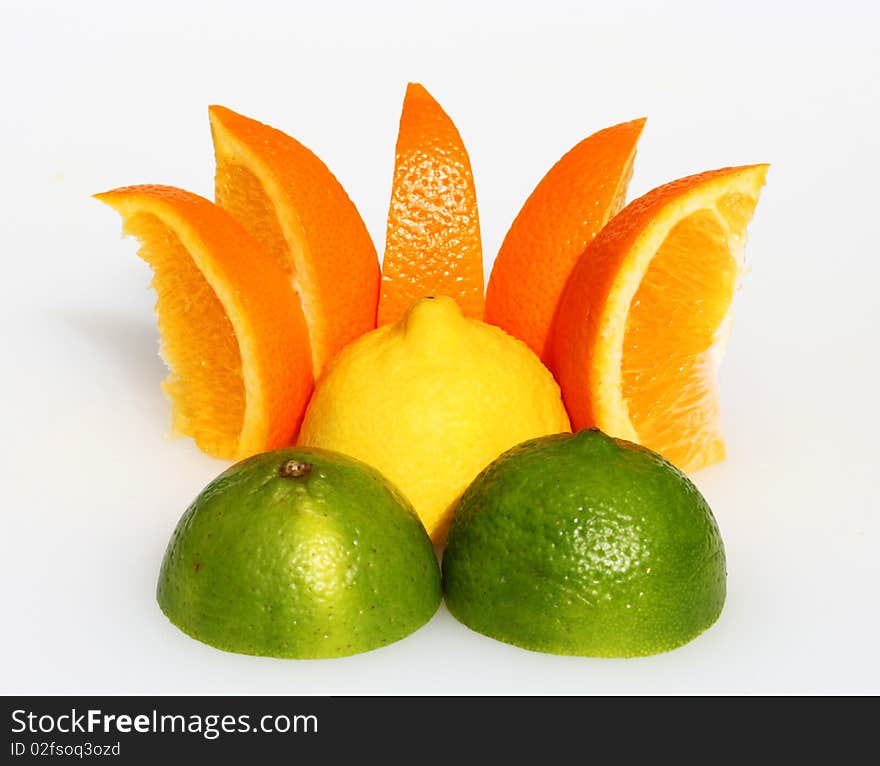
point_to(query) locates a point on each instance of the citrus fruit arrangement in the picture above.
(535, 432)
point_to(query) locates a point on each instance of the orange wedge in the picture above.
(432, 246)
(642, 321)
(232, 331)
(293, 205)
(558, 220)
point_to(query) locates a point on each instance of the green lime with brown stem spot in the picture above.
(301, 553)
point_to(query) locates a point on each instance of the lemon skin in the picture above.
(430, 401)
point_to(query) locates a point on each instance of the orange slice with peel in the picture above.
(566, 210)
(293, 205)
(432, 245)
(232, 331)
(642, 321)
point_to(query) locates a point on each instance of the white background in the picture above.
(101, 95)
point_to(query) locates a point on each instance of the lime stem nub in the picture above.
(294, 469)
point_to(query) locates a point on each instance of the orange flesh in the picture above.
(669, 376)
(207, 389)
(241, 194)
(290, 202)
(737, 209)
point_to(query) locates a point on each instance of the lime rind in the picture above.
(329, 564)
(580, 544)
(567, 651)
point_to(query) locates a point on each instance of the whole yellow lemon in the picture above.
(431, 401)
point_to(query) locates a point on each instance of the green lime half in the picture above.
(302, 553)
(586, 545)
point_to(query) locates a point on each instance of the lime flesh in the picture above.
(581, 544)
(301, 553)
